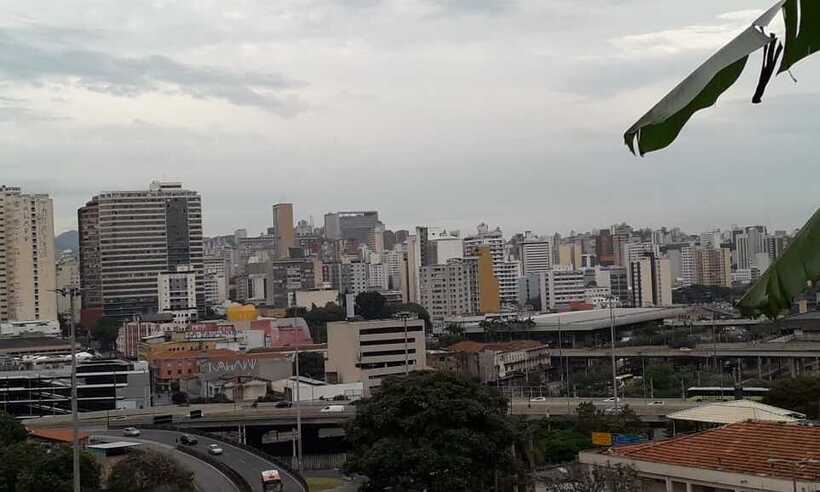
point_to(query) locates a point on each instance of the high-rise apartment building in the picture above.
(283, 231)
(68, 277)
(651, 279)
(27, 257)
(450, 290)
(603, 248)
(536, 255)
(127, 238)
(290, 275)
(707, 266)
(216, 280)
(176, 292)
(506, 272)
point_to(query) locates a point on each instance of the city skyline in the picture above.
(332, 106)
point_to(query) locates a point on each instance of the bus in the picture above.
(716, 393)
(271, 481)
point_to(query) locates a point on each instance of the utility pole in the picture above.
(612, 346)
(75, 423)
(298, 414)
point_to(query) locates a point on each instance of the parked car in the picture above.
(283, 404)
(333, 408)
(131, 432)
(188, 440)
(214, 449)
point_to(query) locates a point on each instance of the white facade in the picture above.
(377, 276)
(27, 257)
(216, 281)
(507, 273)
(177, 293)
(536, 256)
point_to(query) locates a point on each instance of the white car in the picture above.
(333, 408)
(214, 449)
(611, 399)
(538, 398)
(131, 432)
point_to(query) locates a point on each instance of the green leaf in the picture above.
(802, 31)
(661, 135)
(788, 276)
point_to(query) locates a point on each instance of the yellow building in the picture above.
(239, 312)
(488, 286)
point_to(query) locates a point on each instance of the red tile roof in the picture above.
(57, 434)
(744, 447)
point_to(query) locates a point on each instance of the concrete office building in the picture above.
(651, 282)
(536, 255)
(557, 288)
(27, 257)
(506, 272)
(351, 226)
(176, 291)
(284, 234)
(369, 351)
(127, 238)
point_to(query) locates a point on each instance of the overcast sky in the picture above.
(440, 112)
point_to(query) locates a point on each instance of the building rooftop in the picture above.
(64, 435)
(589, 320)
(766, 449)
(14, 344)
(512, 346)
(731, 412)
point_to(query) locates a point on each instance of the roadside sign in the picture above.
(622, 439)
(602, 439)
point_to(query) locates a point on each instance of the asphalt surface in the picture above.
(245, 463)
(206, 477)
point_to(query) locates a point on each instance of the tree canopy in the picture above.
(800, 394)
(433, 431)
(11, 430)
(30, 467)
(371, 305)
(144, 471)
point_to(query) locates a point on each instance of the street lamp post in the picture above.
(405, 315)
(75, 440)
(298, 414)
(612, 346)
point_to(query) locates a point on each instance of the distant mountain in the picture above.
(68, 240)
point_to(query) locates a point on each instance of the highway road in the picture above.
(206, 477)
(566, 406)
(245, 463)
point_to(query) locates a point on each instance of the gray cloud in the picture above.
(465, 7)
(132, 76)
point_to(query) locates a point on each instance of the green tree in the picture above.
(11, 430)
(29, 467)
(414, 308)
(371, 305)
(105, 333)
(433, 431)
(801, 394)
(144, 471)
(312, 365)
(318, 317)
